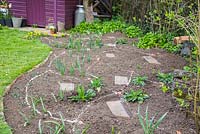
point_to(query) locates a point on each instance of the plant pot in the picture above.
(17, 22)
(8, 22)
(53, 31)
(2, 22)
(61, 26)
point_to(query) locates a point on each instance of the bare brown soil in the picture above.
(128, 61)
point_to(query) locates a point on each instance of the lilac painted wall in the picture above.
(64, 13)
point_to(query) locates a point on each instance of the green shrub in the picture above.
(156, 40)
(133, 31)
(99, 27)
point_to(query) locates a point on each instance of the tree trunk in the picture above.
(88, 11)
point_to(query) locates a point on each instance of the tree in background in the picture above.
(88, 10)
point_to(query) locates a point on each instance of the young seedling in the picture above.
(40, 127)
(70, 53)
(113, 131)
(149, 125)
(139, 80)
(33, 107)
(61, 94)
(96, 84)
(43, 107)
(70, 44)
(136, 96)
(83, 95)
(26, 119)
(60, 66)
(88, 58)
(54, 97)
(71, 70)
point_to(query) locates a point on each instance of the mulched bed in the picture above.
(128, 61)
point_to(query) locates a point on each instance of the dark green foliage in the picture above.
(136, 96)
(139, 80)
(99, 27)
(83, 95)
(165, 78)
(133, 31)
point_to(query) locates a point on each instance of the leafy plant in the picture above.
(149, 125)
(96, 84)
(83, 95)
(121, 41)
(60, 66)
(157, 40)
(165, 88)
(165, 78)
(99, 27)
(182, 102)
(133, 31)
(136, 96)
(139, 80)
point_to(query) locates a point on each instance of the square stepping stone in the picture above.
(68, 87)
(117, 109)
(151, 60)
(110, 45)
(111, 37)
(110, 55)
(121, 80)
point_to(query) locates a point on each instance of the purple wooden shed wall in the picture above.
(65, 10)
(18, 8)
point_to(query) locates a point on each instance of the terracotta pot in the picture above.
(52, 31)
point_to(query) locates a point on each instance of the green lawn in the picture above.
(17, 55)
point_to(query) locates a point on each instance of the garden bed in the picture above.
(106, 63)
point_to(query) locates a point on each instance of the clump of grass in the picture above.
(71, 70)
(60, 66)
(149, 125)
